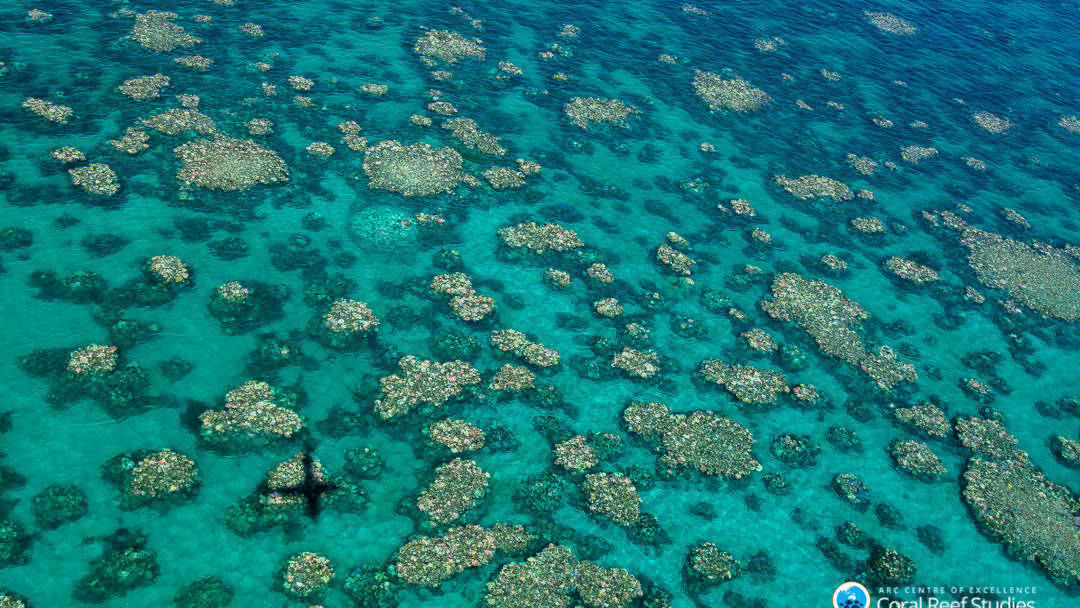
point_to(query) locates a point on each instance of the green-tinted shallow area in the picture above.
(325, 234)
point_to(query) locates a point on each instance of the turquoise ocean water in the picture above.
(621, 190)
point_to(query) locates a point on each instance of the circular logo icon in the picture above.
(851, 595)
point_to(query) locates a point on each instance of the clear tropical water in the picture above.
(621, 190)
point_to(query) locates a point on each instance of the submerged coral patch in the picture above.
(226, 163)
(413, 170)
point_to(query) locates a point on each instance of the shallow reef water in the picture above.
(516, 304)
